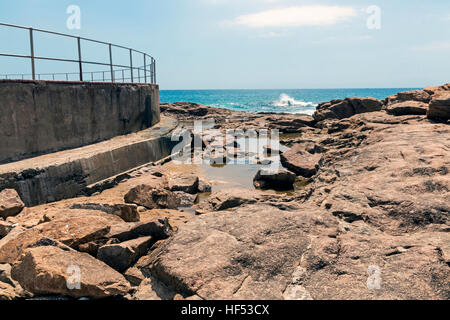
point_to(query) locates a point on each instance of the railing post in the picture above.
(145, 69)
(111, 62)
(79, 59)
(154, 71)
(33, 70)
(131, 65)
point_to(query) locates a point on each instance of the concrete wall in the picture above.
(38, 117)
(80, 172)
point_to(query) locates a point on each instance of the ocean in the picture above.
(300, 101)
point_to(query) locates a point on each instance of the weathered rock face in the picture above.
(10, 203)
(152, 198)
(121, 256)
(416, 95)
(248, 254)
(408, 108)
(440, 107)
(53, 270)
(303, 159)
(277, 180)
(341, 109)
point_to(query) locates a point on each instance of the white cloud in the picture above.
(272, 35)
(297, 16)
(435, 46)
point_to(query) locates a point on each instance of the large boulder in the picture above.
(408, 108)
(303, 159)
(280, 179)
(47, 270)
(10, 203)
(415, 95)
(342, 109)
(70, 231)
(440, 107)
(152, 198)
(122, 255)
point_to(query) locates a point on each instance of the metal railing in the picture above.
(114, 73)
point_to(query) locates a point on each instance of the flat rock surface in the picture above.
(47, 270)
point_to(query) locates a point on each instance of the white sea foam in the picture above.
(287, 101)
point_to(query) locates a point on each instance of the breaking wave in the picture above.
(286, 101)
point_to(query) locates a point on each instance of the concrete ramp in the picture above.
(71, 173)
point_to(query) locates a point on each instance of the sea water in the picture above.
(295, 101)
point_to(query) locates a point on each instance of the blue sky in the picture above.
(250, 44)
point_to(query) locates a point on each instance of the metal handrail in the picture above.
(149, 70)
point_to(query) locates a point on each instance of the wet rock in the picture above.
(440, 107)
(152, 198)
(121, 256)
(48, 270)
(408, 108)
(274, 179)
(303, 159)
(184, 182)
(10, 203)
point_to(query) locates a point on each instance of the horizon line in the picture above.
(357, 88)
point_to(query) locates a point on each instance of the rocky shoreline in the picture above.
(361, 210)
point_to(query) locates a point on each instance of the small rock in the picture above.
(204, 186)
(9, 288)
(10, 203)
(158, 229)
(184, 182)
(186, 200)
(303, 159)
(121, 256)
(278, 180)
(152, 198)
(5, 228)
(135, 276)
(153, 289)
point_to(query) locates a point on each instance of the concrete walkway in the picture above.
(67, 174)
